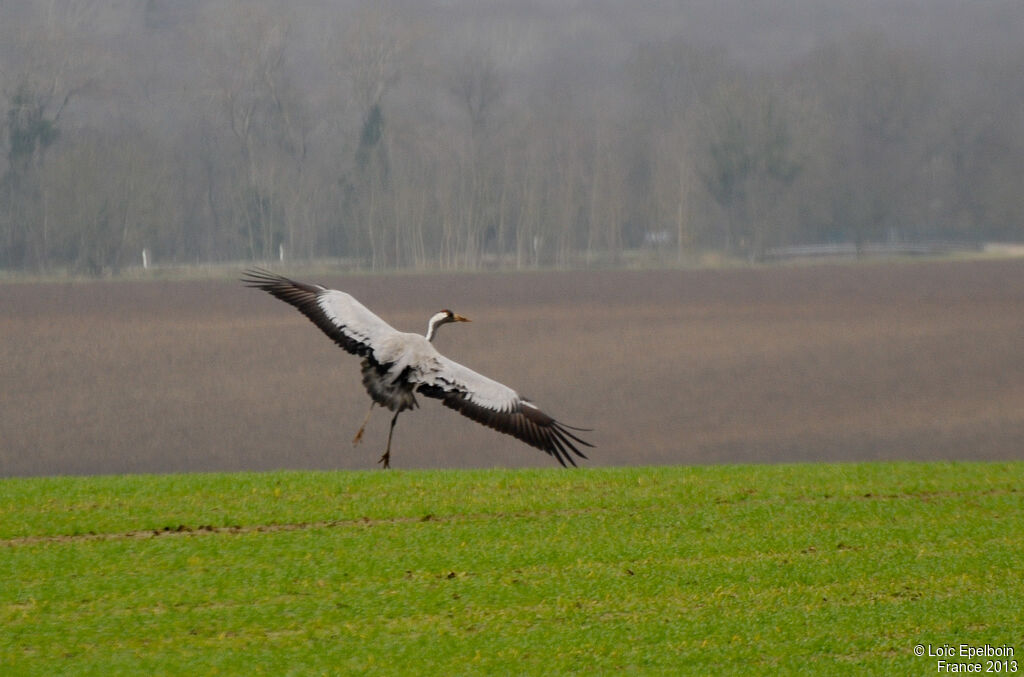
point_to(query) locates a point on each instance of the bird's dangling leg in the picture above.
(386, 458)
(359, 434)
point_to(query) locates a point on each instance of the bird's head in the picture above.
(442, 317)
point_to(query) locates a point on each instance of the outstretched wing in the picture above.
(351, 324)
(496, 406)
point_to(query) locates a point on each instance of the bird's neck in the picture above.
(432, 329)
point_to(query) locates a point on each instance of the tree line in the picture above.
(243, 130)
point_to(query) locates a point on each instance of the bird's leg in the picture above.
(386, 458)
(359, 434)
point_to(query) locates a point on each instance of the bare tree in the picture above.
(107, 217)
(881, 101)
(54, 66)
(750, 161)
(677, 187)
(478, 84)
(375, 43)
(265, 115)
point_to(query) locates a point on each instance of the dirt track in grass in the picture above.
(823, 363)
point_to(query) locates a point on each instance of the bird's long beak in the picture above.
(460, 318)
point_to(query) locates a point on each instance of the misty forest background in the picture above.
(463, 134)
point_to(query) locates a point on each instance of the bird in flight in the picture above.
(396, 365)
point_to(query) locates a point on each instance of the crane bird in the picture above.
(396, 365)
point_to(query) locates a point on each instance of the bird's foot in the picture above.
(385, 460)
(359, 437)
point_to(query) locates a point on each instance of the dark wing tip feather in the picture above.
(525, 423)
(562, 439)
(581, 430)
(305, 297)
(286, 289)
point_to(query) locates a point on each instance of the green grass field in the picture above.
(840, 568)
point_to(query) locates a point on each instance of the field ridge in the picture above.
(235, 529)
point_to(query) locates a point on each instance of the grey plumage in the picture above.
(396, 365)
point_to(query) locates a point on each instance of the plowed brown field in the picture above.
(824, 363)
